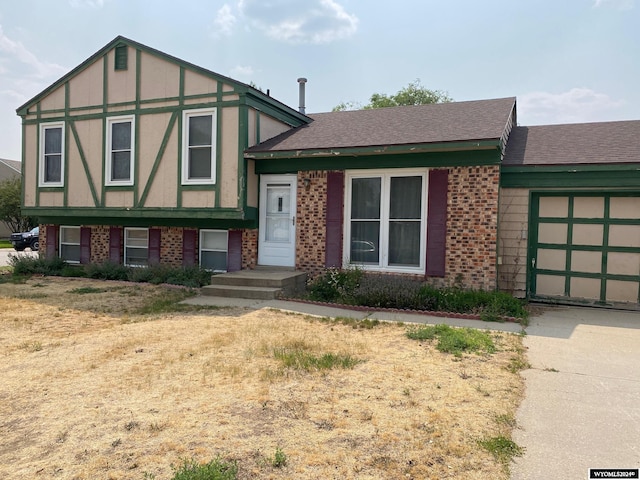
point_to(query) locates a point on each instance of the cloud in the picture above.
(13, 52)
(87, 3)
(618, 4)
(225, 20)
(575, 106)
(242, 71)
(294, 21)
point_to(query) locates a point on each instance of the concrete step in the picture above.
(233, 291)
(287, 280)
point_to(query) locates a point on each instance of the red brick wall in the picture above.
(171, 246)
(310, 222)
(99, 244)
(249, 249)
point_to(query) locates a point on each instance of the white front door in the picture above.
(277, 237)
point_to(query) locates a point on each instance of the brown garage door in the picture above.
(585, 247)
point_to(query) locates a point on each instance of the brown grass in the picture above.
(92, 390)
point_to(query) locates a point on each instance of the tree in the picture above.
(413, 94)
(10, 202)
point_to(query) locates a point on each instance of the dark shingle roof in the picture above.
(436, 123)
(580, 143)
(14, 166)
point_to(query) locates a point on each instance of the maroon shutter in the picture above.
(154, 246)
(115, 244)
(85, 245)
(234, 251)
(335, 199)
(189, 243)
(437, 222)
(52, 241)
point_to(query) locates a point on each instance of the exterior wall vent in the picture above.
(121, 54)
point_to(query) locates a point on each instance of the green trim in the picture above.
(409, 160)
(578, 176)
(275, 109)
(159, 156)
(85, 165)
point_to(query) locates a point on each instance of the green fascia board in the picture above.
(274, 108)
(459, 158)
(120, 40)
(571, 176)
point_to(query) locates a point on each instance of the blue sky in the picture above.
(566, 61)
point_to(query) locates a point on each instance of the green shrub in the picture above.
(23, 265)
(107, 271)
(502, 448)
(216, 469)
(454, 340)
(335, 285)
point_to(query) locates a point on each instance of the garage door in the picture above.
(585, 247)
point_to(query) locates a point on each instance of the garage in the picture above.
(585, 247)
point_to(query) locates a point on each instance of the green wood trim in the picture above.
(85, 165)
(274, 108)
(408, 160)
(38, 159)
(156, 163)
(180, 135)
(570, 176)
(138, 214)
(103, 175)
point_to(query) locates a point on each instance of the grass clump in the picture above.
(279, 459)
(454, 340)
(299, 359)
(216, 469)
(502, 448)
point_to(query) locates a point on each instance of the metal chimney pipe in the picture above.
(301, 103)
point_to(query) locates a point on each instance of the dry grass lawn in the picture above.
(91, 389)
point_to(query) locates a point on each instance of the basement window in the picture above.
(121, 56)
(213, 250)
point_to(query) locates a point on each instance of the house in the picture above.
(8, 169)
(138, 157)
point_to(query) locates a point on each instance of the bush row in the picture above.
(355, 287)
(193, 276)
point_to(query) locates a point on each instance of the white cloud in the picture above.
(575, 106)
(242, 71)
(293, 21)
(13, 51)
(225, 20)
(618, 4)
(87, 3)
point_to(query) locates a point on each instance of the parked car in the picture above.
(29, 239)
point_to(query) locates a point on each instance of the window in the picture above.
(70, 244)
(121, 54)
(120, 154)
(213, 250)
(386, 215)
(199, 147)
(51, 155)
(136, 247)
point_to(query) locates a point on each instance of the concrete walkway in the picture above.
(582, 403)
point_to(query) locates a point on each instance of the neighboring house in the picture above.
(138, 157)
(8, 169)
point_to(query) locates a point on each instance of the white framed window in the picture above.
(120, 150)
(385, 212)
(136, 247)
(213, 250)
(199, 146)
(70, 244)
(52, 154)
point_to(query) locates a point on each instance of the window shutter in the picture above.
(115, 244)
(437, 222)
(234, 251)
(52, 241)
(85, 245)
(334, 219)
(154, 246)
(189, 239)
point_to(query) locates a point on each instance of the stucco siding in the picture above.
(121, 84)
(90, 137)
(158, 78)
(86, 88)
(270, 127)
(53, 101)
(29, 177)
(196, 84)
(512, 242)
(229, 157)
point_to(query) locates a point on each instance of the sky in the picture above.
(566, 61)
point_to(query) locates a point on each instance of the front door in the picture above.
(277, 233)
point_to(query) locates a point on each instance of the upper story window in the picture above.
(52, 155)
(120, 154)
(199, 146)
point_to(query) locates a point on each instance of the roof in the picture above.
(13, 166)
(419, 124)
(579, 143)
(120, 40)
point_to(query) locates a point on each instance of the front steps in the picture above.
(263, 283)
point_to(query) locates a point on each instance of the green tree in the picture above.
(10, 204)
(413, 94)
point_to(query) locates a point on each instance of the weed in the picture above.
(548, 369)
(168, 301)
(507, 420)
(87, 290)
(454, 340)
(299, 359)
(216, 469)
(517, 363)
(502, 448)
(31, 346)
(482, 391)
(279, 459)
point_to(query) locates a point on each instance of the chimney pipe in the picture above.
(301, 107)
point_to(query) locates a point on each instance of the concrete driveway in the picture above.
(5, 252)
(582, 404)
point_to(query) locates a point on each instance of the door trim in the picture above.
(271, 253)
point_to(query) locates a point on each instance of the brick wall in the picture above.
(472, 226)
(99, 244)
(310, 222)
(171, 246)
(249, 248)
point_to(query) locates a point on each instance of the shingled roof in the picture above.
(580, 143)
(421, 124)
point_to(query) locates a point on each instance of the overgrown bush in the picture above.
(23, 265)
(354, 287)
(107, 271)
